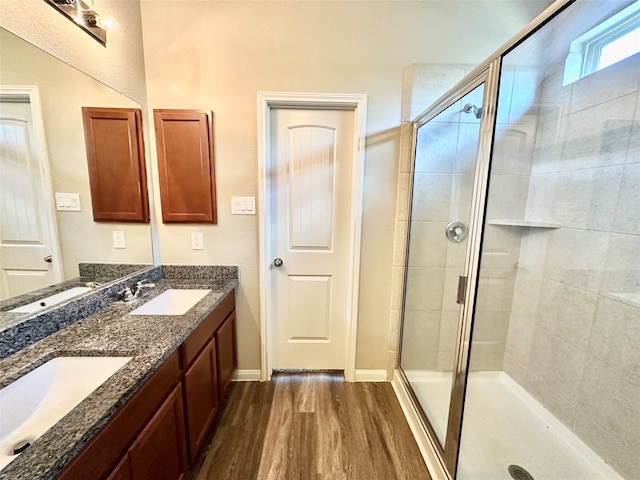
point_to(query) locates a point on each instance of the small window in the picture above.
(610, 42)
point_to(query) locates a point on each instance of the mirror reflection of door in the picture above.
(28, 241)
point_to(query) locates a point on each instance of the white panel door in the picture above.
(27, 228)
(311, 179)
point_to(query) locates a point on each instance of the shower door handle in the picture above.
(462, 289)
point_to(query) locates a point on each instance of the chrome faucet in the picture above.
(129, 293)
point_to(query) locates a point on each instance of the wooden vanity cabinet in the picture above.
(115, 157)
(200, 397)
(159, 452)
(104, 452)
(225, 340)
(158, 433)
(122, 471)
(207, 371)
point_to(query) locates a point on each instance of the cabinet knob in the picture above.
(278, 262)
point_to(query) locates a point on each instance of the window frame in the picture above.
(585, 51)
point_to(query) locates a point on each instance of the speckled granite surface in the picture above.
(150, 340)
(113, 270)
(17, 331)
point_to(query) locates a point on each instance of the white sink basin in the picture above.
(171, 302)
(51, 300)
(36, 401)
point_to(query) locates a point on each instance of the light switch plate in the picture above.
(68, 202)
(118, 239)
(196, 241)
(243, 205)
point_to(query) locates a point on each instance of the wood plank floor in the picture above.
(310, 426)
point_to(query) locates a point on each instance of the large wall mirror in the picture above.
(62, 91)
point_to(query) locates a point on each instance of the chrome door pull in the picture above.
(278, 262)
(48, 259)
(462, 289)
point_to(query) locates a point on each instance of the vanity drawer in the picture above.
(205, 331)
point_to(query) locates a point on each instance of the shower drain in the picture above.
(519, 473)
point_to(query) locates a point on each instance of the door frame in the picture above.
(335, 101)
(31, 94)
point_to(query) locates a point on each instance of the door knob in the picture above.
(278, 262)
(48, 259)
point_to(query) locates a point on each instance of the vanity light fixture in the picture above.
(84, 16)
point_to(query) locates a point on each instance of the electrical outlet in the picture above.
(196, 241)
(118, 239)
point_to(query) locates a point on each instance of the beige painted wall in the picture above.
(120, 64)
(217, 55)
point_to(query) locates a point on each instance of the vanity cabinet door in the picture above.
(122, 471)
(225, 340)
(201, 397)
(159, 452)
(184, 141)
(115, 155)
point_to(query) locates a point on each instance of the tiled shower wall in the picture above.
(512, 159)
(574, 329)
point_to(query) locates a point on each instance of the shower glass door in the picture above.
(443, 183)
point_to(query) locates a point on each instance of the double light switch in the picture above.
(243, 205)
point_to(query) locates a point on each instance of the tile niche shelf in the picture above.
(522, 223)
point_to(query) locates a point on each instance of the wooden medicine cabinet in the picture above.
(115, 154)
(184, 140)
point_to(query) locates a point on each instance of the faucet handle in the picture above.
(145, 283)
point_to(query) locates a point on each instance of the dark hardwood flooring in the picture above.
(310, 426)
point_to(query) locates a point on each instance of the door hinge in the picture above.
(462, 289)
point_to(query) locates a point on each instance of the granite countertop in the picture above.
(149, 339)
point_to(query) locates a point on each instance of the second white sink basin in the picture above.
(171, 302)
(51, 300)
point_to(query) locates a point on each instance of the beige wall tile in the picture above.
(627, 215)
(566, 312)
(615, 337)
(609, 408)
(577, 257)
(424, 288)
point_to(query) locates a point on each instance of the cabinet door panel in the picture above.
(226, 353)
(201, 397)
(115, 154)
(184, 140)
(122, 471)
(159, 452)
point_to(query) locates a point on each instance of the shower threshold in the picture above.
(505, 425)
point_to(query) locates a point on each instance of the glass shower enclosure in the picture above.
(520, 341)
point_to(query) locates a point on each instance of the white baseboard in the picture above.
(434, 464)
(371, 376)
(247, 376)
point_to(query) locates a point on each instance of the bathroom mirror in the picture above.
(62, 91)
